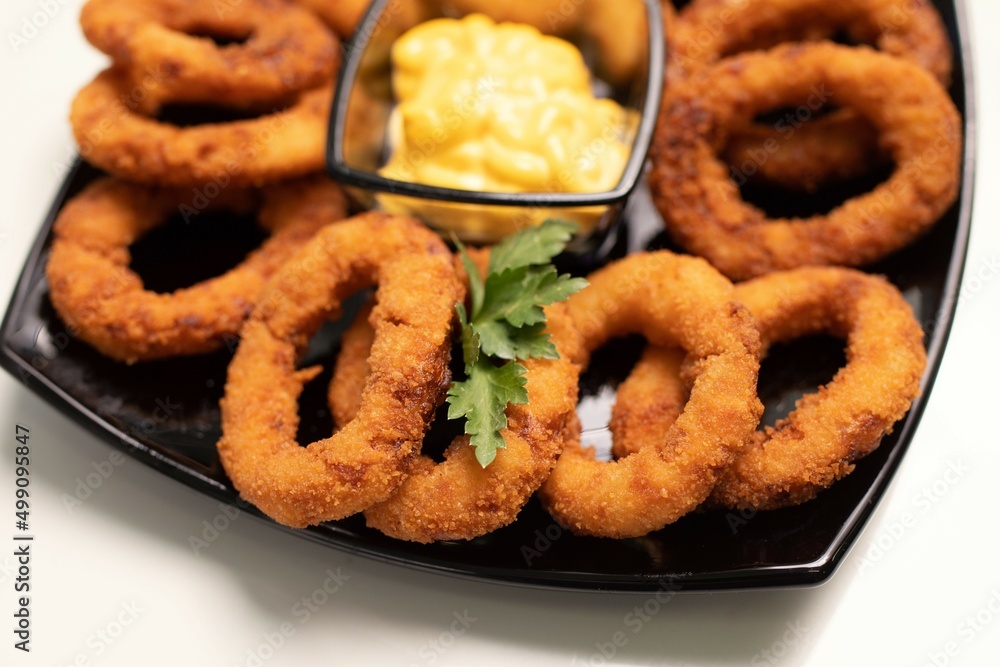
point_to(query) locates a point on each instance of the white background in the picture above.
(124, 555)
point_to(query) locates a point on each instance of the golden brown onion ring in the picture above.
(673, 301)
(846, 419)
(367, 460)
(918, 125)
(113, 135)
(834, 147)
(458, 499)
(167, 44)
(94, 290)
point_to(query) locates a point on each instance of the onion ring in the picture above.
(459, 499)
(704, 212)
(112, 135)
(674, 301)
(817, 443)
(648, 402)
(367, 460)
(834, 147)
(93, 289)
(287, 50)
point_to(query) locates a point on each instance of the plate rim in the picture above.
(799, 575)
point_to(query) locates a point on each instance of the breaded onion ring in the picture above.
(709, 30)
(114, 136)
(367, 460)
(93, 289)
(817, 443)
(648, 402)
(673, 301)
(287, 50)
(351, 370)
(918, 125)
(833, 147)
(459, 499)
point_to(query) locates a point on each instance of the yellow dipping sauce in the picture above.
(499, 108)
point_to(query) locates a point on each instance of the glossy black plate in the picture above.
(166, 414)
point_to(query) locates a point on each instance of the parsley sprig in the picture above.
(505, 324)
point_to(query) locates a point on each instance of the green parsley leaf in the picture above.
(482, 400)
(518, 295)
(507, 323)
(501, 340)
(532, 246)
(475, 280)
(470, 339)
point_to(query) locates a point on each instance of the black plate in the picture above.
(165, 414)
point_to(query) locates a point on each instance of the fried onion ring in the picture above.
(702, 207)
(94, 290)
(673, 301)
(833, 147)
(114, 136)
(817, 443)
(459, 499)
(368, 459)
(648, 402)
(286, 49)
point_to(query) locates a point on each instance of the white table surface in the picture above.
(116, 582)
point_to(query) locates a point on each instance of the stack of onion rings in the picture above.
(94, 290)
(919, 126)
(674, 301)
(367, 460)
(286, 49)
(459, 499)
(283, 71)
(832, 147)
